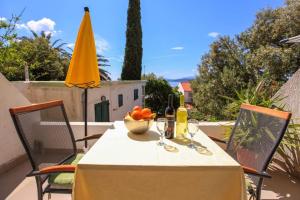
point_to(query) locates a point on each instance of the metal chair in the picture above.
(254, 140)
(47, 137)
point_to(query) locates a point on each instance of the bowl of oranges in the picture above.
(139, 120)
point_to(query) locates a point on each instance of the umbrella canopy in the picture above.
(83, 70)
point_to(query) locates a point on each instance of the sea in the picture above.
(174, 83)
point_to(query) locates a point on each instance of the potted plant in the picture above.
(251, 128)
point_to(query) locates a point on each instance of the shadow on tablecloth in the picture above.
(148, 136)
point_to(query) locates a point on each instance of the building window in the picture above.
(135, 94)
(103, 98)
(120, 100)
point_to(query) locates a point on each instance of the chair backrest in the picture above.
(45, 133)
(256, 135)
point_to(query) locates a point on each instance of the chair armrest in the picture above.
(251, 171)
(90, 137)
(54, 169)
(217, 139)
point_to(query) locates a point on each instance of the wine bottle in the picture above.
(170, 116)
(181, 121)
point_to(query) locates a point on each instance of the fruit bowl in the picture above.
(139, 120)
(138, 126)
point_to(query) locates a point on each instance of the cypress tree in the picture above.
(132, 66)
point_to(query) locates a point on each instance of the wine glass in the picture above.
(193, 127)
(161, 127)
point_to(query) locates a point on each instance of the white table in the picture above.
(123, 166)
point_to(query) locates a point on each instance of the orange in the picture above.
(136, 115)
(146, 112)
(137, 108)
(150, 116)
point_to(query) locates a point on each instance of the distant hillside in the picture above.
(188, 78)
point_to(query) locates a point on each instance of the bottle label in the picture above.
(169, 134)
(181, 123)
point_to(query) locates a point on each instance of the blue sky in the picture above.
(176, 33)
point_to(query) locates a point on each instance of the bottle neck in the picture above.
(181, 100)
(170, 101)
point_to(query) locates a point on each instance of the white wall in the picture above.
(126, 90)
(187, 99)
(180, 88)
(111, 90)
(41, 91)
(44, 132)
(10, 145)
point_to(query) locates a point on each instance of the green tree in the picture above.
(8, 30)
(157, 91)
(234, 65)
(222, 71)
(103, 62)
(260, 95)
(132, 66)
(261, 42)
(8, 56)
(44, 59)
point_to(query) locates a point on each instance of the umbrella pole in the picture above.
(85, 115)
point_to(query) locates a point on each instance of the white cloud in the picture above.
(213, 34)
(17, 40)
(177, 48)
(45, 24)
(117, 58)
(101, 45)
(21, 26)
(3, 19)
(71, 45)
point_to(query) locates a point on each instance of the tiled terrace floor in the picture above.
(12, 178)
(13, 184)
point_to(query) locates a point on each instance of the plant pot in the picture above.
(249, 158)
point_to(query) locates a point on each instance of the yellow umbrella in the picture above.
(83, 70)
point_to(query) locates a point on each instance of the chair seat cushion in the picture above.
(65, 179)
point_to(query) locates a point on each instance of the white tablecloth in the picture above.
(122, 165)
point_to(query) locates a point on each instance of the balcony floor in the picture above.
(14, 186)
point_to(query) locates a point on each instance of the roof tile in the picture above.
(186, 86)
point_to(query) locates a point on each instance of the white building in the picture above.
(110, 102)
(185, 88)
